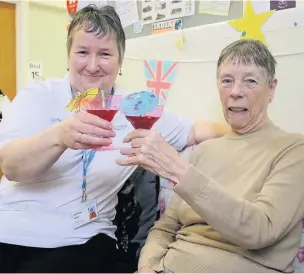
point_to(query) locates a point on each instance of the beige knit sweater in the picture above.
(238, 209)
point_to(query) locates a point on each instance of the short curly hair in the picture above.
(96, 20)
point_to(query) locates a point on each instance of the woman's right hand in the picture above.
(84, 131)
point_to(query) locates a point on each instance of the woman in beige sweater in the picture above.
(238, 205)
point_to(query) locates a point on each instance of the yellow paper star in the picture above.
(251, 24)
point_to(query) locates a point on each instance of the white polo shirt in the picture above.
(39, 214)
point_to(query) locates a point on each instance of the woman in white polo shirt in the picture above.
(45, 217)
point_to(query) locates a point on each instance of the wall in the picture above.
(47, 37)
(59, 4)
(41, 32)
(21, 39)
(235, 11)
(194, 92)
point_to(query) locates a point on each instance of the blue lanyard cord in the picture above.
(87, 157)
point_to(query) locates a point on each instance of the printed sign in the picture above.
(161, 10)
(36, 70)
(167, 26)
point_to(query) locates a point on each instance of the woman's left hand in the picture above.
(150, 150)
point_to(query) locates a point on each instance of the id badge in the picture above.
(85, 214)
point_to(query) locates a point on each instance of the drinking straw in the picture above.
(102, 98)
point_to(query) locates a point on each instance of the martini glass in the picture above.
(147, 120)
(104, 107)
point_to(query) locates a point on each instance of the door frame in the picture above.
(22, 41)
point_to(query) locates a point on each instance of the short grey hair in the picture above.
(98, 21)
(249, 52)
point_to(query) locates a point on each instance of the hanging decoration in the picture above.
(181, 41)
(75, 5)
(250, 26)
(159, 77)
(72, 6)
(282, 5)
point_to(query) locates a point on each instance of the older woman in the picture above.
(238, 205)
(58, 217)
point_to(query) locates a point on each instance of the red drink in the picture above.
(144, 122)
(106, 114)
(105, 108)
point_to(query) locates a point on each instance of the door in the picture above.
(7, 50)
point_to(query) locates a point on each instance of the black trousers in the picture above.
(96, 255)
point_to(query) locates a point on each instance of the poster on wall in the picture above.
(267, 5)
(167, 26)
(282, 4)
(127, 11)
(214, 7)
(160, 10)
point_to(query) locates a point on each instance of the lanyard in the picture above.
(87, 157)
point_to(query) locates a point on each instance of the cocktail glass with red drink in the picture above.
(105, 107)
(147, 120)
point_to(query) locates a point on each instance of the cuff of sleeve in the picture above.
(154, 263)
(192, 185)
(187, 127)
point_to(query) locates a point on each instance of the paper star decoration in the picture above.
(251, 24)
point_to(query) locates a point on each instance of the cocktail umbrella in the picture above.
(80, 101)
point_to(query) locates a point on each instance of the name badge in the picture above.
(85, 214)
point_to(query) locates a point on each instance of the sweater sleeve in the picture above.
(251, 224)
(161, 235)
